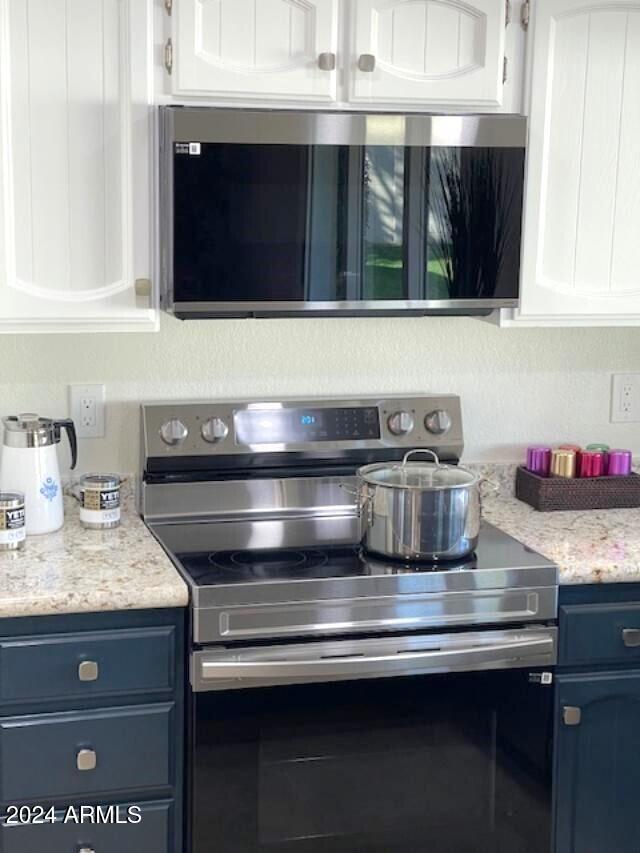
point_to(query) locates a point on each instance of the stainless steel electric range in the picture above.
(339, 701)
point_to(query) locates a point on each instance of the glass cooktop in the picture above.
(247, 566)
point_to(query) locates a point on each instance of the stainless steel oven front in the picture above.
(293, 213)
(437, 743)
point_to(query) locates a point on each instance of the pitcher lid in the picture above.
(29, 430)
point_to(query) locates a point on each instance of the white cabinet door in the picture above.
(256, 49)
(411, 52)
(582, 218)
(75, 164)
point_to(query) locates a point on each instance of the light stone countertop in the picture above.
(595, 546)
(78, 571)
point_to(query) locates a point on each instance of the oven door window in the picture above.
(434, 764)
(295, 224)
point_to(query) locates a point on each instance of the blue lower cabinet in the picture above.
(597, 762)
(92, 712)
(145, 828)
(88, 752)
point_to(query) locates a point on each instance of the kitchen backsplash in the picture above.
(517, 386)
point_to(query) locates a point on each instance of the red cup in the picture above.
(592, 463)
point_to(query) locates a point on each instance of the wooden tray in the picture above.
(551, 494)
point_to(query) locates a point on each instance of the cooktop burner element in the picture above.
(277, 564)
(246, 565)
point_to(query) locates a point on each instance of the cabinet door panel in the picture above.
(429, 51)
(597, 769)
(581, 251)
(255, 48)
(74, 156)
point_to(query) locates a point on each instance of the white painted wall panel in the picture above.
(46, 133)
(238, 33)
(408, 24)
(563, 145)
(599, 150)
(88, 189)
(516, 385)
(113, 115)
(625, 261)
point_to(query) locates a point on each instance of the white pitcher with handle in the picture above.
(29, 464)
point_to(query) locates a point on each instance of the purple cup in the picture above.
(619, 463)
(539, 460)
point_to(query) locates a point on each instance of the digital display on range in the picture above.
(289, 426)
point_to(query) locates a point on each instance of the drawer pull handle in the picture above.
(86, 759)
(88, 670)
(571, 716)
(86, 850)
(631, 637)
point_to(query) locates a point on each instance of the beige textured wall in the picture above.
(517, 385)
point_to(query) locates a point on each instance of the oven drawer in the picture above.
(600, 633)
(152, 834)
(83, 665)
(83, 754)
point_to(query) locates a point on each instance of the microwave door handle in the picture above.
(465, 658)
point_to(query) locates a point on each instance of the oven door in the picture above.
(335, 754)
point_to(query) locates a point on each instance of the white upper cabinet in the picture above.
(582, 221)
(271, 49)
(75, 165)
(435, 51)
(403, 54)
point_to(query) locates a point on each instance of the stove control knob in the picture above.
(214, 430)
(173, 432)
(400, 423)
(438, 422)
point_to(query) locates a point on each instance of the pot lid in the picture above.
(417, 475)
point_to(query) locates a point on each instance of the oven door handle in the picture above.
(538, 649)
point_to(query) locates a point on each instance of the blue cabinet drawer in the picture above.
(84, 665)
(600, 634)
(76, 755)
(153, 834)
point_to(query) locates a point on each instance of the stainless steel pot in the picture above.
(418, 510)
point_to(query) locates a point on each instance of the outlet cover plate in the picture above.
(86, 404)
(625, 398)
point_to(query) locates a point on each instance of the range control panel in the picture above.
(228, 427)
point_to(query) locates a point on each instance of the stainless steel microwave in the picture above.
(276, 213)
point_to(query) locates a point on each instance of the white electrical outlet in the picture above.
(625, 398)
(87, 410)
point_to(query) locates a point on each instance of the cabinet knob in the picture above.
(367, 62)
(143, 287)
(571, 716)
(88, 670)
(86, 759)
(327, 62)
(631, 637)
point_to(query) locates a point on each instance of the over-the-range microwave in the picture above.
(275, 213)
